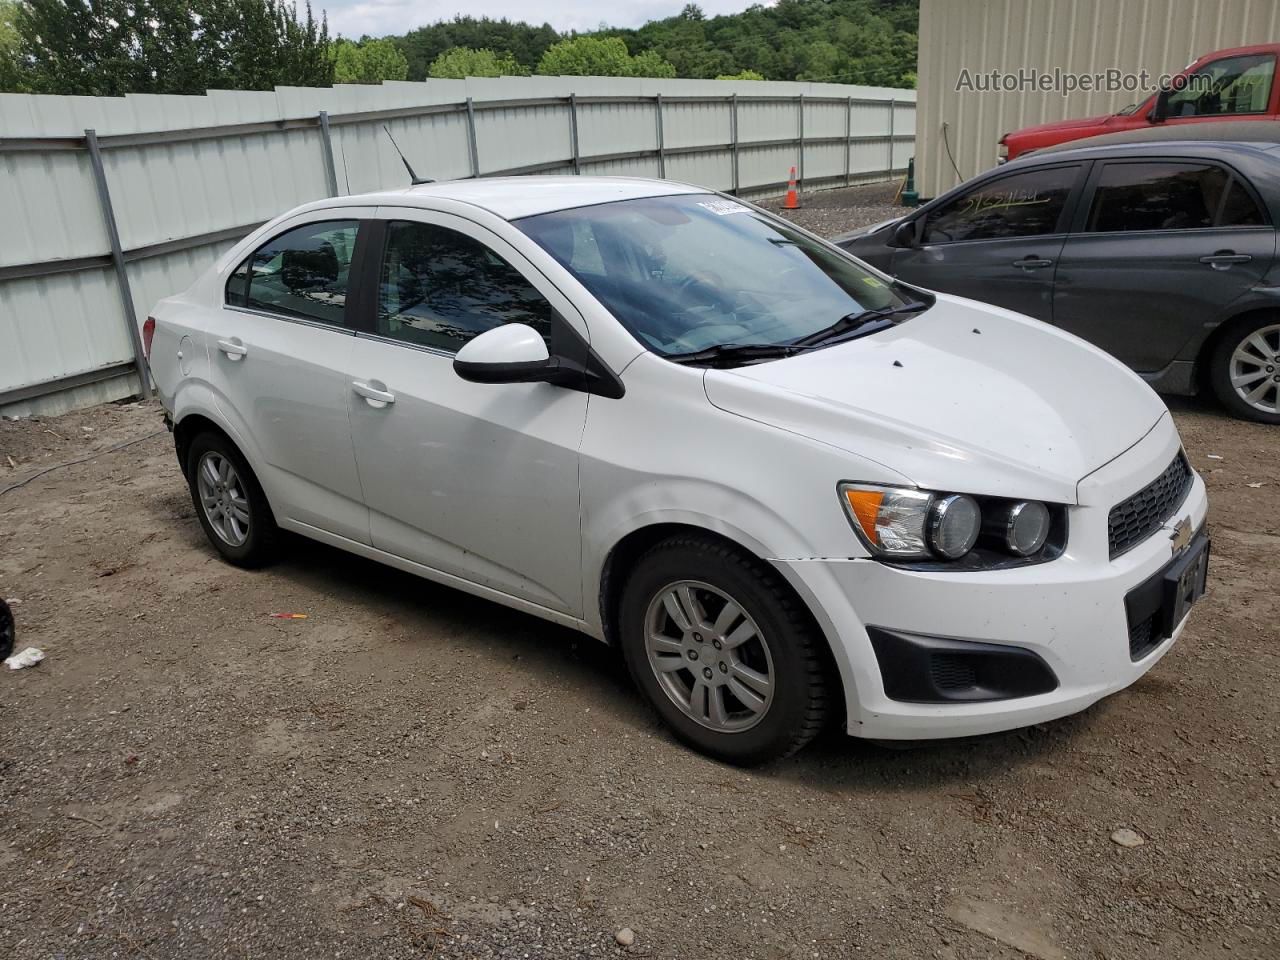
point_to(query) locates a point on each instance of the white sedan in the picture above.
(789, 488)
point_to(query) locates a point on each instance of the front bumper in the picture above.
(1070, 612)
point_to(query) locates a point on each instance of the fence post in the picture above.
(573, 133)
(662, 141)
(117, 260)
(800, 179)
(472, 145)
(848, 141)
(326, 148)
(892, 104)
(733, 123)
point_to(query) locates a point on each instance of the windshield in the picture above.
(695, 271)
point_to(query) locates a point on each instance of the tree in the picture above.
(10, 65)
(741, 75)
(113, 47)
(459, 62)
(369, 61)
(524, 42)
(588, 56)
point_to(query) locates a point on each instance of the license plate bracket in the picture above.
(1167, 596)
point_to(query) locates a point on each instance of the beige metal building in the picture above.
(1078, 36)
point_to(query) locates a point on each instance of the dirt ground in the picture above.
(414, 773)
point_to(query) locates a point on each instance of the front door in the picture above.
(479, 481)
(279, 355)
(1159, 251)
(998, 242)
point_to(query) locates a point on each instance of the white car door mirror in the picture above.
(511, 353)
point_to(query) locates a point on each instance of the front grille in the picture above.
(1143, 638)
(1137, 518)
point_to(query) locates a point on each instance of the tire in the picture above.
(249, 542)
(8, 633)
(770, 635)
(1239, 352)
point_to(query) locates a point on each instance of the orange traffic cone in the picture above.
(793, 200)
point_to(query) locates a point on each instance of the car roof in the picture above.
(1226, 150)
(514, 197)
(1225, 131)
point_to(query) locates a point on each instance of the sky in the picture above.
(354, 18)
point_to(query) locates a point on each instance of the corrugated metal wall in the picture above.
(1081, 36)
(188, 175)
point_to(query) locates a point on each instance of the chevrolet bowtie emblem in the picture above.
(1181, 535)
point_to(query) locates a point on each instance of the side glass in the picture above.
(1026, 204)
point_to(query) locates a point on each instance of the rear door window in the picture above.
(1028, 204)
(1169, 195)
(302, 273)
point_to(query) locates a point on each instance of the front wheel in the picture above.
(724, 653)
(1244, 369)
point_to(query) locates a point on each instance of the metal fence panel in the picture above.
(188, 175)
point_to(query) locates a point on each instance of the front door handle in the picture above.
(375, 394)
(1223, 259)
(1032, 263)
(233, 348)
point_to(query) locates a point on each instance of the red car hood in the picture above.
(1062, 126)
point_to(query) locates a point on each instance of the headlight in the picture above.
(901, 523)
(1023, 526)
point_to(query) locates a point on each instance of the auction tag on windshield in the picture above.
(722, 208)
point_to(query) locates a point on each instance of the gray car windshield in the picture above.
(695, 271)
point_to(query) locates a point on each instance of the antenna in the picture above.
(413, 177)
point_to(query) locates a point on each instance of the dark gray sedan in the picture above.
(1162, 253)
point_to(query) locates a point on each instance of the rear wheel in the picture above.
(229, 502)
(1244, 368)
(723, 651)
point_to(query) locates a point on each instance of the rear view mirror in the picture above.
(511, 353)
(904, 234)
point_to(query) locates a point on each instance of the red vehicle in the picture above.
(1236, 84)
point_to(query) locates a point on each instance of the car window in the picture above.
(301, 273)
(440, 288)
(1232, 85)
(1026, 204)
(1163, 195)
(1240, 209)
(691, 271)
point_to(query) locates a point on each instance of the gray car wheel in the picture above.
(1244, 369)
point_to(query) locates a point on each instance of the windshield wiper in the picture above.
(884, 316)
(735, 352)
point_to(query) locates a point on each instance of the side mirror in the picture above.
(904, 234)
(511, 353)
(1161, 110)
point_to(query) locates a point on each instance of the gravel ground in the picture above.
(413, 773)
(833, 212)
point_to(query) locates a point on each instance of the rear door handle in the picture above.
(233, 348)
(1032, 263)
(376, 396)
(1223, 259)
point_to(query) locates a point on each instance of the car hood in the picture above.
(963, 397)
(1060, 126)
(864, 231)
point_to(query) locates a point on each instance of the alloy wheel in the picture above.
(709, 656)
(1255, 369)
(223, 496)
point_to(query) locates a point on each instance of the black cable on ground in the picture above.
(72, 463)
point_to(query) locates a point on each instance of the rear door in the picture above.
(1161, 247)
(998, 241)
(280, 353)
